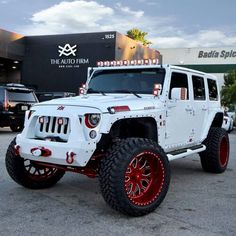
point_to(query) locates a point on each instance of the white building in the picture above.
(216, 61)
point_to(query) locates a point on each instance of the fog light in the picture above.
(60, 121)
(93, 134)
(41, 120)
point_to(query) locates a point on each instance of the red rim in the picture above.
(144, 178)
(38, 172)
(224, 152)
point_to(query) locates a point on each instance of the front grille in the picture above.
(53, 128)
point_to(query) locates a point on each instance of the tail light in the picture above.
(6, 105)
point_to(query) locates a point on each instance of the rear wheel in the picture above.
(135, 176)
(28, 173)
(216, 156)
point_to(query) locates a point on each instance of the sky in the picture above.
(169, 23)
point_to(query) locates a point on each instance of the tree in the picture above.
(139, 36)
(228, 91)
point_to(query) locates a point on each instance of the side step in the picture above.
(185, 152)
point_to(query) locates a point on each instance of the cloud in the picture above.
(89, 16)
(128, 11)
(203, 38)
(150, 3)
(69, 17)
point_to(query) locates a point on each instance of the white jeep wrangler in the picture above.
(125, 127)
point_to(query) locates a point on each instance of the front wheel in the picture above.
(134, 177)
(216, 156)
(28, 173)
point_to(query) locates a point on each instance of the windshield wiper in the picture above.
(90, 90)
(127, 91)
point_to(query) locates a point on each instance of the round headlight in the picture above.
(92, 120)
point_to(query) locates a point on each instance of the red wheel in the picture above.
(224, 152)
(134, 177)
(216, 156)
(38, 172)
(28, 173)
(144, 178)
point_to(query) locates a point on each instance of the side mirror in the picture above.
(179, 93)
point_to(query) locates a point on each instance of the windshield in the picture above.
(21, 96)
(126, 80)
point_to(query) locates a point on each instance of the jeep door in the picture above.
(179, 112)
(200, 105)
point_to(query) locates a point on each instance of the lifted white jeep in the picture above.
(125, 127)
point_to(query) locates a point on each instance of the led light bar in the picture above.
(138, 62)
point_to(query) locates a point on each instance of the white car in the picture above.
(228, 123)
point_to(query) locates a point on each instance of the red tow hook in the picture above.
(41, 151)
(17, 150)
(70, 157)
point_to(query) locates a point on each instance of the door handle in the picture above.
(171, 104)
(188, 109)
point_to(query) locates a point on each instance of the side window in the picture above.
(212, 87)
(179, 80)
(198, 88)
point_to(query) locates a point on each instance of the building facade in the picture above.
(11, 55)
(60, 62)
(217, 60)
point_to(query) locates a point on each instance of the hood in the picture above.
(102, 102)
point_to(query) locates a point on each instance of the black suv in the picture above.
(45, 96)
(15, 99)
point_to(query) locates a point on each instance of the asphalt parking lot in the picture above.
(197, 203)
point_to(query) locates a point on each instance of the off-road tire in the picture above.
(44, 177)
(134, 162)
(16, 128)
(216, 156)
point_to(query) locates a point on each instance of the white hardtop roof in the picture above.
(165, 66)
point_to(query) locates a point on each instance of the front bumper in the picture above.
(45, 139)
(59, 152)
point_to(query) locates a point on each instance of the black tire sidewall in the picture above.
(16, 169)
(16, 128)
(119, 168)
(210, 158)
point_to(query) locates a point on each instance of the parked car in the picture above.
(228, 122)
(231, 113)
(15, 99)
(46, 96)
